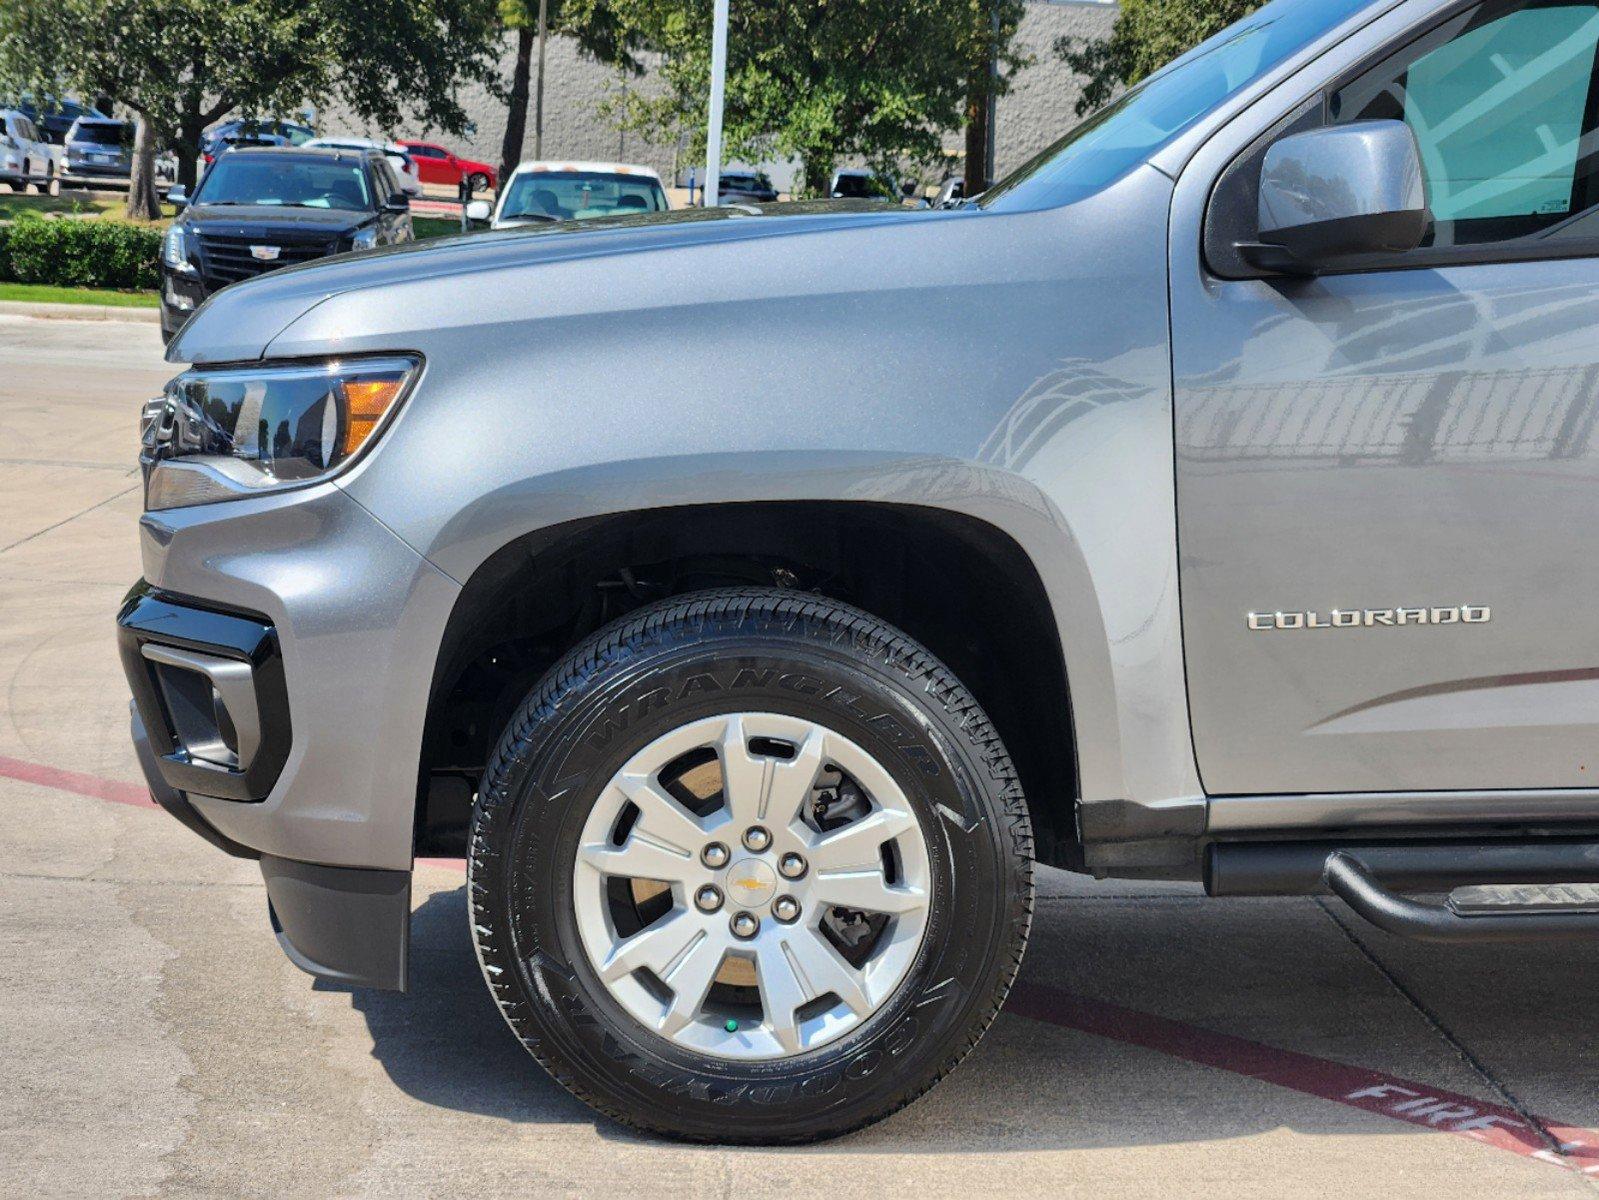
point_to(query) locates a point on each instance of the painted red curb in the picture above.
(75, 781)
(1390, 1096)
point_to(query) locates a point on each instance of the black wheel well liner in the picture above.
(958, 585)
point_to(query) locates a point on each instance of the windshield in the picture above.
(294, 182)
(579, 195)
(103, 133)
(1129, 130)
(859, 187)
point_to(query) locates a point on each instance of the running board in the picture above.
(1474, 914)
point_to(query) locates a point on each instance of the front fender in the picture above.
(1010, 367)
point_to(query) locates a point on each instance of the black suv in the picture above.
(257, 209)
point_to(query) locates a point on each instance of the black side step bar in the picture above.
(1352, 883)
(1552, 901)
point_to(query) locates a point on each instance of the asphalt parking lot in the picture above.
(156, 1041)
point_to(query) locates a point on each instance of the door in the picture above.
(395, 220)
(433, 163)
(1388, 481)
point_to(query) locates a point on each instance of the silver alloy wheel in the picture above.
(793, 984)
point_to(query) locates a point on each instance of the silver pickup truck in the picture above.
(753, 596)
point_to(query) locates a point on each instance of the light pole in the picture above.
(538, 103)
(713, 136)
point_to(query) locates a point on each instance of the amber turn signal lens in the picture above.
(366, 400)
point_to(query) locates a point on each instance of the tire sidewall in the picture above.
(576, 740)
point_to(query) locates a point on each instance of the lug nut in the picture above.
(791, 865)
(756, 838)
(715, 855)
(708, 898)
(745, 925)
(786, 909)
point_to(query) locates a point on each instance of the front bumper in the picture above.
(181, 293)
(347, 621)
(281, 653)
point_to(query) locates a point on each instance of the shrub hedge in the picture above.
(80, 253)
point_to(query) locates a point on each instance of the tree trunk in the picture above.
(817, 173)
(143, 204)
(516, 114)
(977, 134)
(538, 99)
(190, 128)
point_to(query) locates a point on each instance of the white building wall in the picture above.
(1039, 108)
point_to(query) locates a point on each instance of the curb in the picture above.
(78, 312)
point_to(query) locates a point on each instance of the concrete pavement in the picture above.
(157, 1042)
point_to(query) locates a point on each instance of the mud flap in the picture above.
(344, 924)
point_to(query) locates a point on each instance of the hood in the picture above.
(253, 218)
(238, 322)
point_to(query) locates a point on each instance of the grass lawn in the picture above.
(77, 204)
(44, 293)
(432, 227)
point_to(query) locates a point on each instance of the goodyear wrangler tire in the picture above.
(750, 866)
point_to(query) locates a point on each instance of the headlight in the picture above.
(365, 239)
(175, 249)
(222, 434)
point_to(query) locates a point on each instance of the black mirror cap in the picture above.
(1325, 245)
(399, 202)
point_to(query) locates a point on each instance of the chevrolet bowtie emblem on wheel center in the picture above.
(1365, 618)
(751, 883)
(266, 253)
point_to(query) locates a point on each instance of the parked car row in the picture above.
(54, 116)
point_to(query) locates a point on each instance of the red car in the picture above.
(438, 165)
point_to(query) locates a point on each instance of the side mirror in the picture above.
(178, 196)
(1335, 193)
(398, 202)
(478, 210)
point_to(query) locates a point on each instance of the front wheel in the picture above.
(750, 866)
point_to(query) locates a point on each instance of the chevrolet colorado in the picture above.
(753, 596)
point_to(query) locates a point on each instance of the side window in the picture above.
(1502, 102)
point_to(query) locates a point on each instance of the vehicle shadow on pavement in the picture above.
(1032, 1085)
(444, 1042)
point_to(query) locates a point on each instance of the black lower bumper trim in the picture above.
(175, 802)
(345, 924)
(153, 620)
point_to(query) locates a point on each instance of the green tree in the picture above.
(820, 80)
(599, 34)
(180, 65)
(1147, 35)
